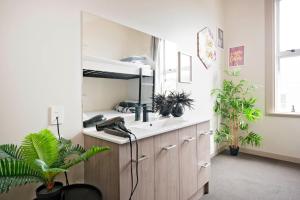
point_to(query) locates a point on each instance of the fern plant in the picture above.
(236, 106)
(40, 158)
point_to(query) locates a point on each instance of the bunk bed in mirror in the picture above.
(96, 67)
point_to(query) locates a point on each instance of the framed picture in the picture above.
(220, 38)
(185, 67)
(206, 49)
(236, 56)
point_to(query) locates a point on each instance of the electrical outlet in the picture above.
(56, 111)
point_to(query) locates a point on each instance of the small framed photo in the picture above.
(220, 38)
(185, 67)
(236, 56)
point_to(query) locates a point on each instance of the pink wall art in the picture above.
(236, 56)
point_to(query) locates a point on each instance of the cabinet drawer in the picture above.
(145, 188)
(203, 146)
(203, 173)
(203, 153)
(203, 128)
(188, 162)
(166, 166)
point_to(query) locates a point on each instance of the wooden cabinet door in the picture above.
(203, 151)
(188, 162)
(145, 188)
(166, 166)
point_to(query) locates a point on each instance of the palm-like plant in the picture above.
(163, 104)
(236, 106)
(40, 158)
(182, 98)
(161, 100)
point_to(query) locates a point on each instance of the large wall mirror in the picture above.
(121, 64)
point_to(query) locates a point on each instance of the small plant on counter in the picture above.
(162, 104)
(40, 158)
(180, 101)
(236, 106)
(174, 103)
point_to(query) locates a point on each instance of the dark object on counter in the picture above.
(177, 110)
(110, 123)
(165, 110)
(93, 121)
(80, 191)
(162, 104)
(138, 109)
(114, 126)
(116, 132)
(145, 113)
(173, 103)
(180, 100)
(42, 192)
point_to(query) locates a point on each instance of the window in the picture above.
(167, 67)
(287, 56)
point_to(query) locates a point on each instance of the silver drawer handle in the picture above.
(204, 133)
(167, 148)
(143, 157)
(204, 165)
(189, 139)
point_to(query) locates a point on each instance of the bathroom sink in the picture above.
(159, 124)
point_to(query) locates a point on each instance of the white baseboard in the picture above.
(271, 155)
(261, 154)
(218, 151)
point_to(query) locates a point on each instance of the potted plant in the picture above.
(180, 100)
(162, 104)
(40, 158)
(236, 106)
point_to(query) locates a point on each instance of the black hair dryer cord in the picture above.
(59, 137)
(131, 164)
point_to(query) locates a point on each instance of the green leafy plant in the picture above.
(161, 101)
(40, 158)
(236, 106)
(166, 104)
(182, 98)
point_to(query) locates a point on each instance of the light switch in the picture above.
(56, 111)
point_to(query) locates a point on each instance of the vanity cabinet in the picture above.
(172, 166)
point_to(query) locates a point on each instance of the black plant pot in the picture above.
(177, 110)
(165, 110)
(80, 192)
(234, 150)
(43, 194)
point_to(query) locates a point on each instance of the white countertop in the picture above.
(148, 129)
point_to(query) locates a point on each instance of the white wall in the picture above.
(40, 56)
(244, 21)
